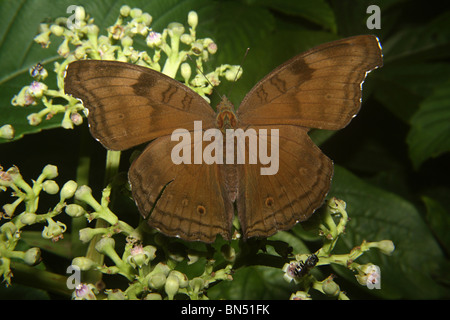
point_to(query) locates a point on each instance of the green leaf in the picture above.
(379, 215)
(319, 13)
(430, 126)
(438, 218)
(401, 87)
(19, 24)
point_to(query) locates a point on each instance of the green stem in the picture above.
(112, 167)
(40, 279)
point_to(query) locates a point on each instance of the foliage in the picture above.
(391, 160)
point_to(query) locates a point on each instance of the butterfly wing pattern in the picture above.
(321, 89)
(129, 105)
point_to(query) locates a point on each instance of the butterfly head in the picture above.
(226, 118)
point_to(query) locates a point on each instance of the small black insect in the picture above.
(304, 268)
(36, 70)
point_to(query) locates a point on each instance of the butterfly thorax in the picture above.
(225, 119)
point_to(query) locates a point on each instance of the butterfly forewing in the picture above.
(320, 88)
(129, 105)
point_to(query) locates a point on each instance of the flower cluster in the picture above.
(166, 51)
(367, 275)
(147, 280)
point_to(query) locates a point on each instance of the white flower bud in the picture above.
(75, 210)
(125, 11)
(7, 132)
(192, 19)
(50, 186)
(68, 190)
(50, 171)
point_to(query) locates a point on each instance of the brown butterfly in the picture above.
(129, 105)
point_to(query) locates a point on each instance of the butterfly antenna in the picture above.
(205, 77)
(239, 69)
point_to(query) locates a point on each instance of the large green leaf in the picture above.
(19, 24)
(430, 126)
(378, 215)
(319, 13)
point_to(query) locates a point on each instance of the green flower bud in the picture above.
(135, 13)
(63, 49)
(83, 193)
(192, 19)
(157, 280)
(115, 294)
(28, 218)
(162, 268)
(150, 251)
(228, 252)
(86, 234)
(43, 38)
(80, 14)
(185, 71)
(147, 19)
(125, 11)
(79, 53)
(172, 286)
(186, 38)
(105, 245)
(7, 132)
(212, 48)
(9, 209)
(83, 263)
(75, 210)
(57, 30)
(50, 171)
(68, 190)
(34, 119)
(8, 229)
(234, 73)
(127, 41)
(330, 288)
(32, 256)
(24, 98)
(50, 186)
(386, 247)
(197, 284)
(92, 31)
(183, 280)
(153, 296)
(175, 29)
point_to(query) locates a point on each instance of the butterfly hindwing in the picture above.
(269, 203)
(185, 200)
